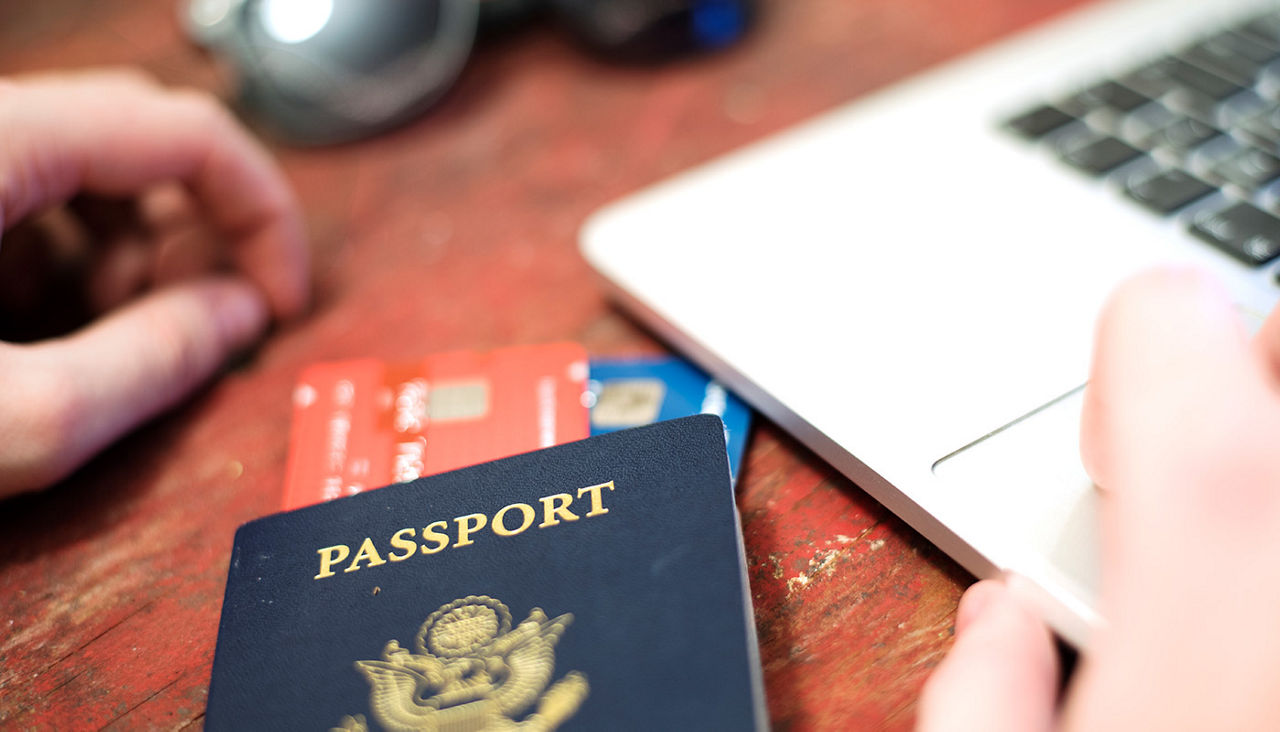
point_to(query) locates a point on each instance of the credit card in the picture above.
(363, 424)
(629, 392)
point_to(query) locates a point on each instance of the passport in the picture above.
(598, 584)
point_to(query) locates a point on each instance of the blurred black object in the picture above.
(654, 31)
(498, 17)
(327, 71)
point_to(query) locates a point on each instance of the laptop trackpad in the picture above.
(1034, 509)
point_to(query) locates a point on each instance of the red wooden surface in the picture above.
(458, 231)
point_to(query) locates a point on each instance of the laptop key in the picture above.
(1242, 231)
(1248, 169)
(1100, 154)
(1205, 82)
(1263, 129)
(1181, 135)
(1151, 79)
(1265, 29)
(1040, 121)
(1172, 74)
(1105, 95)
(1231, 56)
(1253, 48)
(1141, 125)
(1167, 191)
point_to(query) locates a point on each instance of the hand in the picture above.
(1182, 414)
(186, 234)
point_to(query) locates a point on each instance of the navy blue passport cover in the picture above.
(633, 614)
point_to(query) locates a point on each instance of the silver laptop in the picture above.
(909, 284)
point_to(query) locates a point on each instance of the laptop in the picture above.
(909, 284)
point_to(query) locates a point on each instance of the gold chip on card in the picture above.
(458, 400)
(628, 403)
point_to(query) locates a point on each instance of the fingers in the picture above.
(1002, 672)
(122, 270)
(1179, 425)
(114, 134)
(1266, 343)
(147, 241)
(1170, 354)
(184, 247)
(82, 392)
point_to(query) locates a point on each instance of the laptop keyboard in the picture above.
(1195, 132)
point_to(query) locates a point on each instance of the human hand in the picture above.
(1181, 415)
(187, 236)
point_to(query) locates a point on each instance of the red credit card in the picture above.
(363, 424)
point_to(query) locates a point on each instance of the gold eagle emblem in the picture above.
(471, 672)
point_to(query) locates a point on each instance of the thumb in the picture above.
(76, 395)
(1002, 672)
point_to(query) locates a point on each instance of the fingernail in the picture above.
(974, 603)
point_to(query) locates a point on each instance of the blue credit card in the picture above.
(629, 392)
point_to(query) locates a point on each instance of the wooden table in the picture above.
(458, 231)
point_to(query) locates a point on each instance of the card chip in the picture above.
(458, 400)
(628, 402)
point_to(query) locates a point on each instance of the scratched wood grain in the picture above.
(457, 231)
